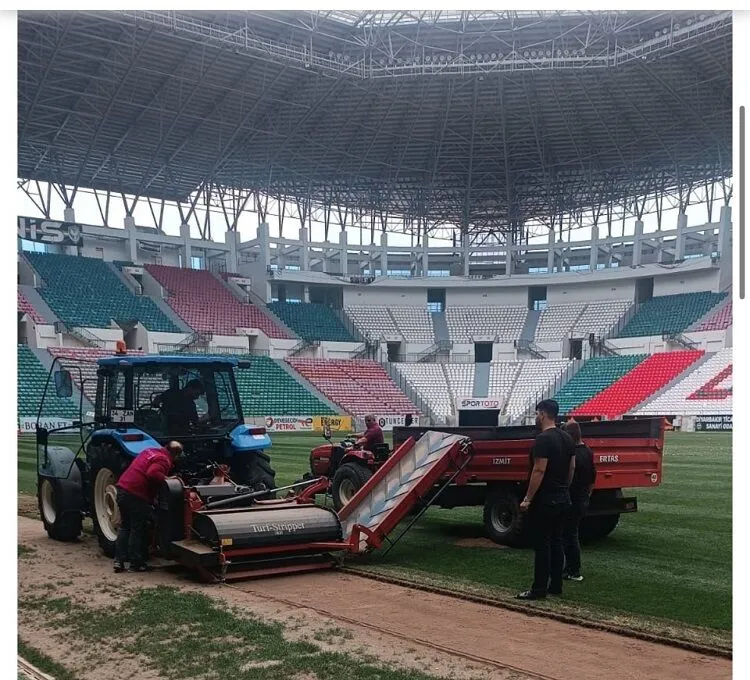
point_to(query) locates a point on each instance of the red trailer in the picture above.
(627, 454)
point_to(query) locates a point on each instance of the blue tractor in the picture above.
(131, 415)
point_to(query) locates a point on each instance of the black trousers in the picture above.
(546, 525)
(133, 536)
(571, 543)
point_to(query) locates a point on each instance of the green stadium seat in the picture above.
(670, 313)
(84, 291)
(312, 321)
(32, 376)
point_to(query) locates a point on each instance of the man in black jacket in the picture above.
(547, 500)
(580, 493)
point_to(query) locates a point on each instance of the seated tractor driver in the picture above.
(178, 407)
(372, 435)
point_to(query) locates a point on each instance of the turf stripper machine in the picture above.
(220, 514)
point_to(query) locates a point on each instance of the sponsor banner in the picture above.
(28, 425)
(289, 423)
(50, 231)
(713, 423)
(336, 423)
(133, 270)
(241, 280)
(478, 403)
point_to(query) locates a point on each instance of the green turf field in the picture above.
(671, 560)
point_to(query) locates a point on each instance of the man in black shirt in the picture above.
(547, 500)
(178, 407)
(580, 492)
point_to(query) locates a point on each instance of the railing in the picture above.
(82, 334)
(436, 359)
(431, 353)
(602, 348)
(302, 345)
(530, 347)
(679, 339)
(348, 324)
(551, 389)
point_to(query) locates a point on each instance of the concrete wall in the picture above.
(105, 249)
(591, 291)
(391, 297)
(517, 296)
(672, 284)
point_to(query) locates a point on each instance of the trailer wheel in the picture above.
(59, 523)
(503, 520)
(597, 527)
(106, 465)
(349, 479)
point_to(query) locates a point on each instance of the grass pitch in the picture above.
(670, 560)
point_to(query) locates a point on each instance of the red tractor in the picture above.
(347, 465)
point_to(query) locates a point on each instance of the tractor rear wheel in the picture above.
(349, 479)
(60, 525)
(503, 520)
(106, 465)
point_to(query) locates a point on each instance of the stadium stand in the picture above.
(705, 391)
(720, 320)
(556, 321)
(373, 321)
(460, 378)
(357, 386)
(267, 389)
(84, 291)
(25, 306)
(207, 306)
(32, 376)
(503, 375)
(533, 377)
(414, 323)
(504, 322)
(312, 321)
(651, 375)
(670, 313)
(430, 383)
(593, 377)
(599, 317)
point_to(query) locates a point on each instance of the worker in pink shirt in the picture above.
(136, 493)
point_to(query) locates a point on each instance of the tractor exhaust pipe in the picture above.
(256, 494)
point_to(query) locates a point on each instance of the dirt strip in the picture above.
(432, 632)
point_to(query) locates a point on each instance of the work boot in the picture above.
(119, 567)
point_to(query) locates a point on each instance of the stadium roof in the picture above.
(475, 118)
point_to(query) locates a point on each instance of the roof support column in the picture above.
(69, 215)
(465, 251)
(132, 240)
(679, 246)
(638, 244)
(508, 257)
(425, 255)
(187, 250)
(232, 239)
(725, 247)
(343, 247)
(304, 244)
(384, 254)
(551, 252)
(594, 252)
(262, 269)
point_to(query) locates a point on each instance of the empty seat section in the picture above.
(460, 379)
(593, 377)
(626, 393)
(358, 386)
(502, 376)
(670, 313)
(32, 376)
(206, 305)
(266, 389)
(466, 322)
(556, 321)
(84, 291)
(599, 317)
(83, 358)
(430, 383)
(414, 323)
(533, 377)
(720, 320)
(372, 321)
(706, 390)
(25, 306)
(312, 321)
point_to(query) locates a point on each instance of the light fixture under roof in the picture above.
(493, 56)
(526, 54)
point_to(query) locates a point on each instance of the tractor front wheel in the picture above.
(106, 466)
(349, 479)
(61, 524)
